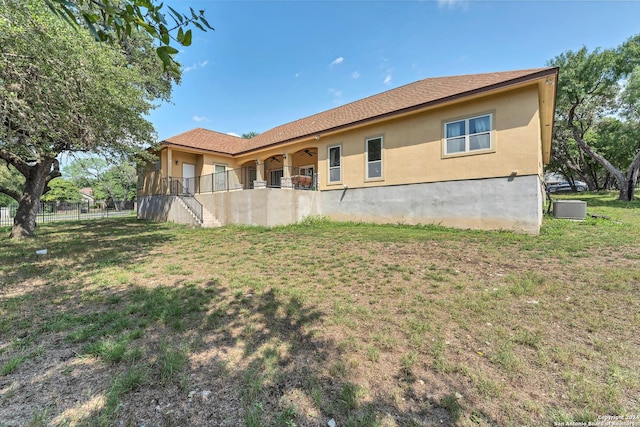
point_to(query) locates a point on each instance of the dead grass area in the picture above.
(133, 323)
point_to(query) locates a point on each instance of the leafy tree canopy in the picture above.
(116, 19)
(64, 92)
(62, 190)
(108, 180)
(598, 114)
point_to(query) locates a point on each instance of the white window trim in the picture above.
(366, 158)
(217, 180)
(329, 167)
(467, 136)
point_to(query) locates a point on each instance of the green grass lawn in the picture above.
(133, 322)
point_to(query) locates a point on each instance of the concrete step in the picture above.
(209, 220)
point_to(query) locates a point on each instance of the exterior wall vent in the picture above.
(570, 209)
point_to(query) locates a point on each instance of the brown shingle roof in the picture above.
(206, 139)
(414, 95)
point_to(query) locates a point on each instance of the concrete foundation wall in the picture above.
(265, 206)
(510, 203)
(513, 203)
(164, 208)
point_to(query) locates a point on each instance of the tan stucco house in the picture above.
(464, 151)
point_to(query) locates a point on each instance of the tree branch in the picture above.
(634, 169)
(15, 195)
(15, 161)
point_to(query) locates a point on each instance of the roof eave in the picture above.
(529, 78)
(547, 90)
(169, 144)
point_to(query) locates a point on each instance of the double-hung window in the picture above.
(374, 157)
(468, 135)
(335, 160)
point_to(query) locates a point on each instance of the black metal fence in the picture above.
(65, 211)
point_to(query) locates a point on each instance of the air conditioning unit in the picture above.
(569, 209)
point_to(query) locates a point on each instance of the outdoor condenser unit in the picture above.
(569, 209)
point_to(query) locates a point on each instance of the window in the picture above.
(276, 177)
(220, 178)
(335, 157)
(374, 157)
(468, 135)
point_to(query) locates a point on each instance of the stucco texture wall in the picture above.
(413, 145)
(491, 204)
(164, 208)
(266, 206)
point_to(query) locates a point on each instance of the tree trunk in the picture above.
(24, 223)
(617, 174)
(632, 176)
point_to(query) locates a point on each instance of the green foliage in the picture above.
(64, 92)
(108, 179)
(62, 190)
(597, 126)
(250, 135)
(6, 200)
(11, 182)
(49, 71)
(103, 19)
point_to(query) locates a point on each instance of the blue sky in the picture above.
(271, 62)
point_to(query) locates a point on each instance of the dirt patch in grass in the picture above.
(140, 323)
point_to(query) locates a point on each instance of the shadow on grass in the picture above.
(76, 248)
(181, 354)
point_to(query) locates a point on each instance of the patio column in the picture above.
(168, 171)
(260, 181)
(285, 182)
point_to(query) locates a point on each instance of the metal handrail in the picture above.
(192, 204)
(301, 178)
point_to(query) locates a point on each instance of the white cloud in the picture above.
(195, 66)
(355, 74)
(337, 61)
(200, 119)
(233, 134)
(387, 80)
(452, 4)
(337, 96)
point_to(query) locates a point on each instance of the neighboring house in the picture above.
(464, 151)
(87, 195)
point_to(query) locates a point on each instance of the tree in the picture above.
(111, 20)
(12, 181)
(62, 91)
(108, 180)
(594, 86)
(250, 135)
(62, 190)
